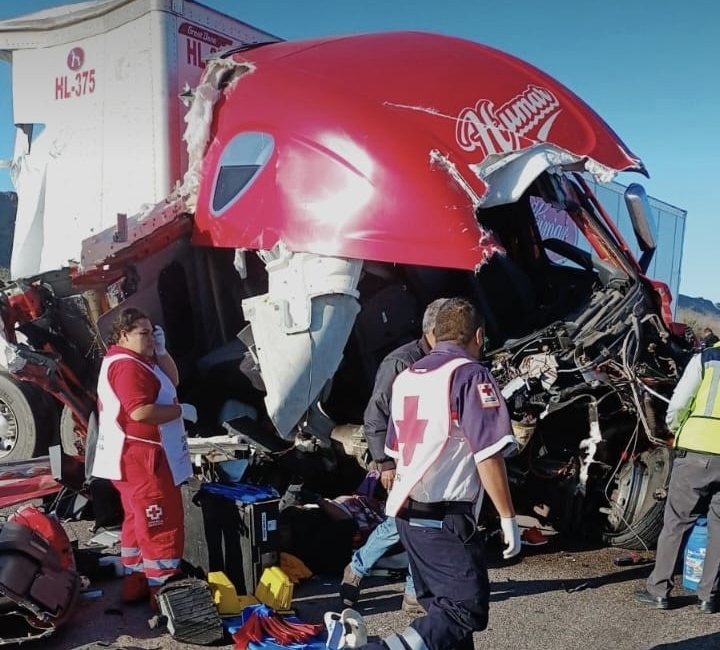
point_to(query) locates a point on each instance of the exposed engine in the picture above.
(586, 399)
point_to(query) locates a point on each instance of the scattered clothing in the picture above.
(294, 567)
(533, 537)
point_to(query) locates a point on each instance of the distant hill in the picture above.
(699, 313)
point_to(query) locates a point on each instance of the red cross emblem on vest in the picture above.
(411, 429)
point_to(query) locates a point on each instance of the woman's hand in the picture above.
(159, 337)
(188, 412)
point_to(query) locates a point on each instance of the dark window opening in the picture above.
(232, 179)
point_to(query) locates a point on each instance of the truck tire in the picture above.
(72, 443)
(638, 505)
(24, 408)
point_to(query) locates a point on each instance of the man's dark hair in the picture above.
(457, 321)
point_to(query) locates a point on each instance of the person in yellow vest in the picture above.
(693, 415)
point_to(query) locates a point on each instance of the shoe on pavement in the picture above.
(533, 537)
(647, 598)
(410, 605)
(707, 606)
(135, 588)
(345, 630)
(350, 587)
(355, 628)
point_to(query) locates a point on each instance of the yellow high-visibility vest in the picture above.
(701, 431)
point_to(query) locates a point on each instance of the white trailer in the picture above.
(97, 104)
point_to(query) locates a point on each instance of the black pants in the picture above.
(451, 581)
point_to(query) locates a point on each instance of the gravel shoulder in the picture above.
(556, 597)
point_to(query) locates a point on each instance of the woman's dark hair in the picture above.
(125, 321)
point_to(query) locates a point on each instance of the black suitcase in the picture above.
(222, 534)
(259, 539)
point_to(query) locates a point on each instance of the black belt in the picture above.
(434, 510)
(681, 453)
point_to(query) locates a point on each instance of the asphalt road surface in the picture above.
(557, 597)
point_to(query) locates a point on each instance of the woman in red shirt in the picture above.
(142, 449)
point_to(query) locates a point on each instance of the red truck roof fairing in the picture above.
(381, 146)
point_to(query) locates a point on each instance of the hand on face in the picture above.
(159, 336)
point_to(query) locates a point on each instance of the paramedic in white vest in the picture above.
(449, 432)
(693, 416)
(142, 448)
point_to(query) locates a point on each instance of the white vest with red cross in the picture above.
(111, 437)
(435, 462)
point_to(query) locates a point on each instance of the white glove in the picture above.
(159, 336)
(511, 534)
(188, 412)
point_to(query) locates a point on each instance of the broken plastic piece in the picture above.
(106, 538)
(275, 589)
(190, 611)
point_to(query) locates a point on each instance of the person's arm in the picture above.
(377, 412)
(137, 389)
(493, 476)
(167, 365)
(684, 394)
(485, 422)
(156, 413)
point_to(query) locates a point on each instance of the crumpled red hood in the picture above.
(353, 121)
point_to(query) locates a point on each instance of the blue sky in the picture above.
(650, 69)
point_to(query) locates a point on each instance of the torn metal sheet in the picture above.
(300, 328)
(22, 481)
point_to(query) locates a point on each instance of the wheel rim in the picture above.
(640, 484)
(71, 438)
(623, 501)
(8, 435)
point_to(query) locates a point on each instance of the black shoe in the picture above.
(707, 606)
(350, 587)
(648, 599)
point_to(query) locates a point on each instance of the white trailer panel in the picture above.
(96, 98)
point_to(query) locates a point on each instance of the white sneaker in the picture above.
(335, 631)
(345, 630)
(355, 628)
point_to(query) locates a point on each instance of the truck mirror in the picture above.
(642, 221)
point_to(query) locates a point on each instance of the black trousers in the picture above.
(451, 580)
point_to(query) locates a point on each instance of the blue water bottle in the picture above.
(694, 555)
